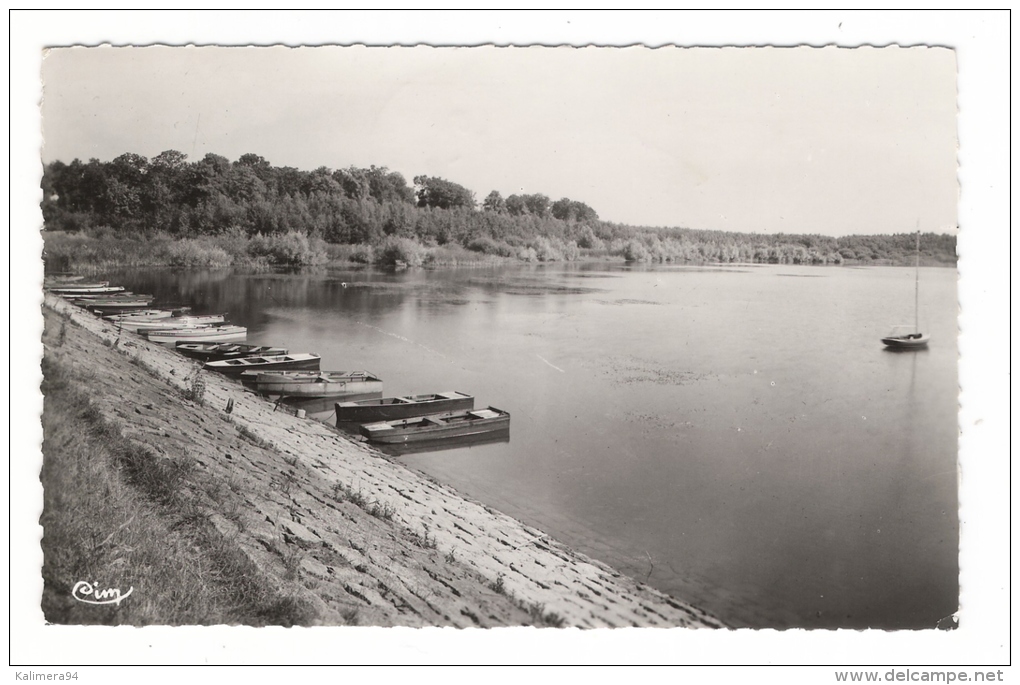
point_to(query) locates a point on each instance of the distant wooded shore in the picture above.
(167, 211)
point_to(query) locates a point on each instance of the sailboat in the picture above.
(902, 337)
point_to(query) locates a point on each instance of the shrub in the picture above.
(289, 249)
(527, 254)
(635, 251)
(487, 245)
(405, 250)
(190, 252)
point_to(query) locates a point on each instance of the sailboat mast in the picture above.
(917, 276)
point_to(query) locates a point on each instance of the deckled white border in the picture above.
(982, 43)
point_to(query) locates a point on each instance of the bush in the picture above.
(358, 254)
(190, 252)
(396, 250)
(527, 254)
(289, 249)
(487, 245)
(635, 251)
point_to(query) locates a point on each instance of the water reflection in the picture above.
(448, 444)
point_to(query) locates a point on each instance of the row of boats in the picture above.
(276, 373)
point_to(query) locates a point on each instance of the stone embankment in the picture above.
(363, 538)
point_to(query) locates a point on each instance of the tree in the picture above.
(437, 192)
(169, 161)
(494, 202)
(537, 204)
(256, 163)
(515, 205)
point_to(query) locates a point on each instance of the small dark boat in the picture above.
(392, 408)
(211, 352)
(255, 365)
(906, 340)
(438, 426)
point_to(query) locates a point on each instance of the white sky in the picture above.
(982, 46)
(795, 140)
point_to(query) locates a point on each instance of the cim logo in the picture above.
(89, 593)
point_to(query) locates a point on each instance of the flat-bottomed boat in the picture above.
(438, 426)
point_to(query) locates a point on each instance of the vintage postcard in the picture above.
(501, 341)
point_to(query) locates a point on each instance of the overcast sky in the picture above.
(797, 140)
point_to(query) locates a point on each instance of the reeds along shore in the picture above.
(99, 250)
(257, 517)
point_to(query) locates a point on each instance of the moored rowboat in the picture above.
(199, 334)
(210, 352)
(142, 315)
(85, 288)
(392, 408)
(317, 383)
(167, 323)
(438, 426)
(254, 365)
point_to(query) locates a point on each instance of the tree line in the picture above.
(168, 196)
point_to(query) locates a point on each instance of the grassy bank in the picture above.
(116, 511)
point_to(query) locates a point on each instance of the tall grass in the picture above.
(101, 250)
(123, 516)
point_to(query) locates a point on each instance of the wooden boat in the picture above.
(438, 426)
(254, 365)
(392, 408)
(113, 306)
(172, 336)
(144, 315)
(316, 383)
(167, 323)
(214, 352)
(96, 300)
(85, 288)
(210, 352)
(118, 295)
(902, 337)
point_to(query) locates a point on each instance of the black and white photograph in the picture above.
(510, 342)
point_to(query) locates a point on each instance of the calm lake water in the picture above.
(734, 436)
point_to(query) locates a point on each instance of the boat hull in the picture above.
(906, 342)
(211, 352)
(394, 408)
(89, 289)
(106, 308)
(167, 324)
(300, 384)
(137, 316)
(437, 427)
(255, 365)
(210, 334)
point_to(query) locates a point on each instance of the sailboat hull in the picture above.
(907, 341)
